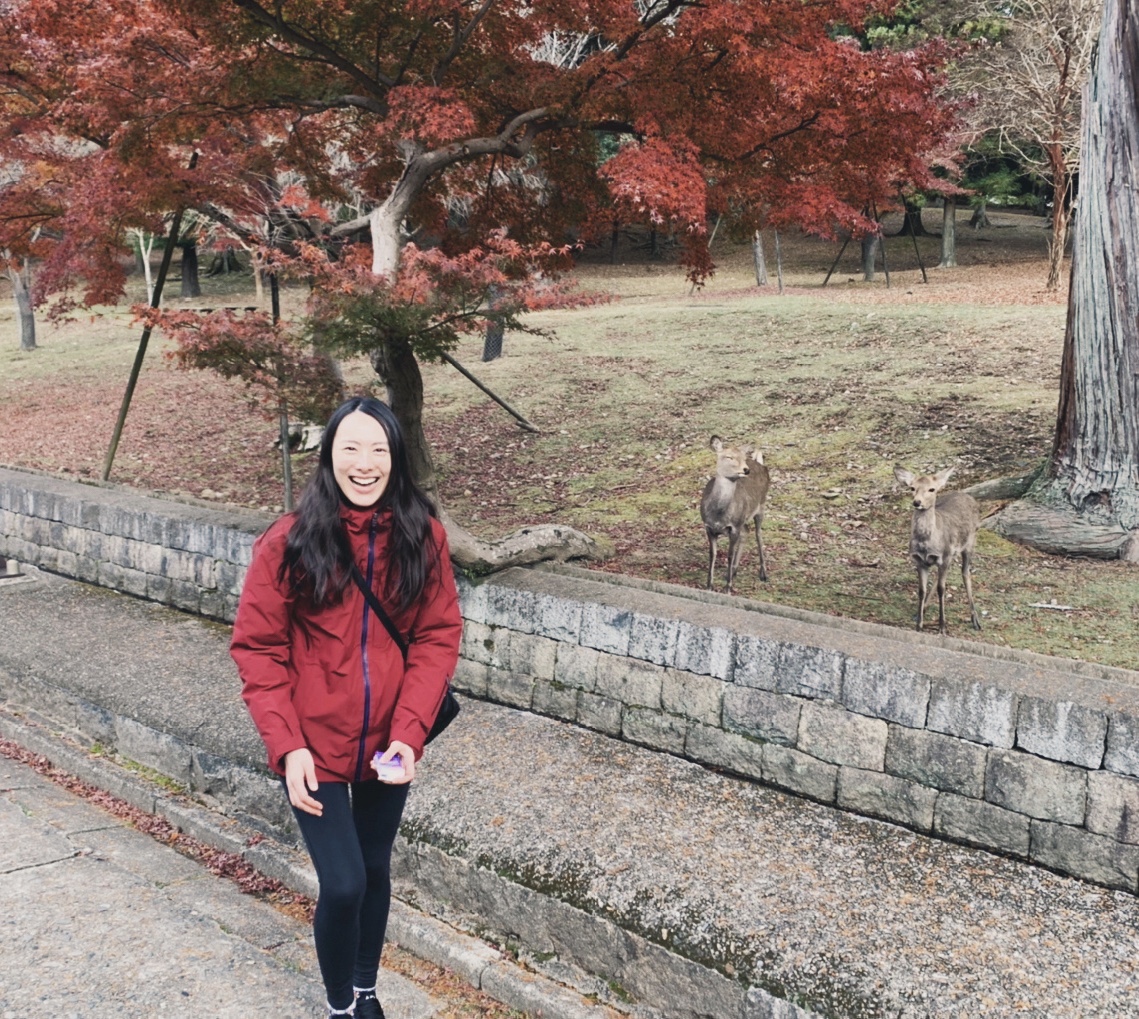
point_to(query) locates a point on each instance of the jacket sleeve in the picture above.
(261, 648)
(433, 654)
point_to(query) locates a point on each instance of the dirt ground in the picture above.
(835, 385)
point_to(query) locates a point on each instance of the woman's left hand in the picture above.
(406, 757)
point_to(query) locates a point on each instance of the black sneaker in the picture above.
(368, 1006)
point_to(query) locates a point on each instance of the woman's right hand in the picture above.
(300, 778)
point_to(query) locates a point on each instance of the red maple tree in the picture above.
(472, 127)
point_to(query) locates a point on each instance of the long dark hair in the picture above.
(318, 558)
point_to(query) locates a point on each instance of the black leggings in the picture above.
(351, 848)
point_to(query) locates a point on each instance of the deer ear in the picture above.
(904, 476)
(716, 443)
(941, 477)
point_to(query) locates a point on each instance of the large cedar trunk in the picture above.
(949, 234)
(24, 310)
(1087, 501)
(911, 222)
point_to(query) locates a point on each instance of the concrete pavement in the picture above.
(100, 921)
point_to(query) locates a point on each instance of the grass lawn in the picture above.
(834, 385)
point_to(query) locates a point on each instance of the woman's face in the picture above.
(361, 459)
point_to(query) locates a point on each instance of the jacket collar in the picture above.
(358, 520)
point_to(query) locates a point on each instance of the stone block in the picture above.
(977, 823)
(831, 733)
(1036, 787)
(768, 716)
(606, 628)
(630, 681)
(212, 604)
(1113, 806)
(211, 775)
(159, 589)
(600, 713)
(655, 729)
(1091, 857)
(119, 578)
(239, 548)
(711, 745)
(185, 596)
(66, 563)
(557, 618)
(511, 608)
(936, 760)
(230, 577)
(555, 699)
(577, 666)
(706, 650)
(480, 644)
(472, 599)
(164, 753)
(756, 659)
(876, 794)
(470, 677)
(1061, 731)
(697, 697)
(800, 773)
(809, 672)
(208, 539)
(531, 655)
(886, 691)
(652, 639)
(148, 558)
(972, 711)
(513, 688)
(1122, 754)
(74, 539)
(86, 569)
(47, 557)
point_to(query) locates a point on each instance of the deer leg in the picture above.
(734, 550)
(967, 577)
(711, 558)
(942, 569)
(759, 545)
(923, 592)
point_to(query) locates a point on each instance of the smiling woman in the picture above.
(330, 690)
(361, 459)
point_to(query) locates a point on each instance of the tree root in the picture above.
(1060, 530)
(999, 489)
(525, 546)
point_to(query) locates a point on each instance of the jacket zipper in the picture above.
(364, 651)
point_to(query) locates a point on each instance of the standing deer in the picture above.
(942, 526)
(732, 499)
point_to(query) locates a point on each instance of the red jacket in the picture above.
(333, 680)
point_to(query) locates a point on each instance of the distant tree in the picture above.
(1030, 85)
(19, 272)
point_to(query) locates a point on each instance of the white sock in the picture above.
(350, 1010)
(364, 990)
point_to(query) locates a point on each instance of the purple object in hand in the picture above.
(387, 770)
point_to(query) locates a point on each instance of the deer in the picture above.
(733, 498)
(942, 527)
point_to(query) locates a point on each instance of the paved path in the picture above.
(100, 921)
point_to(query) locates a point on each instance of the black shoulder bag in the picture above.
(450, 706)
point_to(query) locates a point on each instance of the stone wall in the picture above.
(188, 556)
(1034, 757)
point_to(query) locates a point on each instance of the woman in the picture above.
(327, 685)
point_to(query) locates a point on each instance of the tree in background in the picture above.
(1086, 500)
(1029, 86)
(400, 108)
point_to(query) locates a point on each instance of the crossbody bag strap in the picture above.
(378, 609)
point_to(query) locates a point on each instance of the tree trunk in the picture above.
(395, 363)
(949, 235)
(911, 222)
(980, 218)
(614, 237)
(21, 290)
(1060, 215)
(190, 285)
(1087, 502)
(758, 259)
(869, 256)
